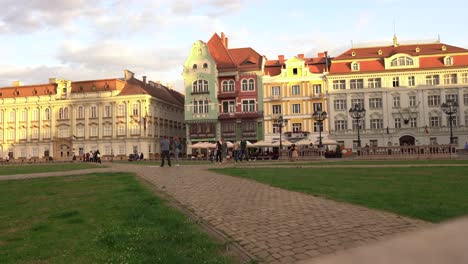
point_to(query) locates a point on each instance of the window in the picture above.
(229, 106)
(80, 112)
(356, 84)
(297, 127)
(465, 100)
(93, 131)
(412, 100)
(465, 77)
(450, 78)
(107, 111)
(317, 107)
(396, 101)
(205, 65)
(251, 85)
(35, 133)
(397, 123)
(63, 113)
(296, 108)
(355, 66)
(434, 121)
(1, 117)
(413, 122)
(194, 67)
(22, 134)
(339, 104)
(107, 131)
(23, 116)
(225, 85)
(432, 79)
(402, 61)
(317, 89)
(451, 97)
(375, 103)
(276, 129)
(318, 126)
(35, 152)
(11, 134)
(248, 106)
(339, 85)
(448, 61)
(135, 109)
(121, 130)
(454, 120)
(361, 123)
(275, 91)
(80, 131)
(245, 86)
(295, 90)
(340, 124)
(228, 127)
(433, 141)
(47, 114)
(433, 100)
(359, 102)
(200, 86)
(376, 123)
(396, 81)
(411, 81)
(249, 126)
(295, 71)
(121, 110)
(122, 149)
(276, 109)
(374, 83)
(93, 112)
(46, 132)
(35, 115)
(373, 143)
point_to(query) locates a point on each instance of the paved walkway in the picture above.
(275, 225)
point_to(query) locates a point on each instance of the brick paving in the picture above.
(274, 225)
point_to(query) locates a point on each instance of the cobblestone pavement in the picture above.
(275, 225)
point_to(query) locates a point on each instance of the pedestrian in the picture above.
(235, 150)
(141, 156)
(466, 147)
(8, 158)
(112, 155)
(165, 147)
(243, 150)
(224, 149)
(177, 149)
(294, 153)
(218, 154)
(98, 156)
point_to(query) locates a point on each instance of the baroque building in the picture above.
(223, 99)
(62, 119)
(295, 89)
(401, 87)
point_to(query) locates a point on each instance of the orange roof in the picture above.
(246, 58)
(97, 85)
(316, 65)
(388, 51)
(224, 61)
(28, 90)
(135, 86)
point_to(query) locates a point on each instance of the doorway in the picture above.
(407, 141)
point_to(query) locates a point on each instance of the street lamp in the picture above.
(450, 108)
(280, 122)
(319, 117)
(357, 112)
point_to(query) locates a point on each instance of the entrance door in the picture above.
(64, 152)
(407, 141)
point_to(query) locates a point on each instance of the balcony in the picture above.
(300, 134)
(224, 116)
(234, 115)
(202, 135)
(228, 95)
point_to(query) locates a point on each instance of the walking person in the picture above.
(224, 149)
(294, 153)
(235, 150)
(177, 148)
(218, 153)
(165, 147)
(243, 150)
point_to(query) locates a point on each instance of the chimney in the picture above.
(321, 54)
(144, 79)
(281, 58)
(327, 63)
(226, 43)
(223, 39)
(17, 83)
(300, 56)
(128, 75)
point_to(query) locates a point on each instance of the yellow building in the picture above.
(62, 119)
(294, 89)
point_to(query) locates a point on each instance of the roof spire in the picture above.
(395, 40)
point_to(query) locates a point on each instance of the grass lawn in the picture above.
(158, 162)
(429, 193)
(49, 167)
(356, 162)
(97, 218)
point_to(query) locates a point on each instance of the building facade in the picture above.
(231, 98)
(295, 89)
(402, 88)
(63, 119)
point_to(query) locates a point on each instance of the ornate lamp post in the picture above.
(450, 108)
(357, 112)
(280, 122)
(320, 116)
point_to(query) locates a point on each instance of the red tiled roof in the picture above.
(28, 90)
(316, 65)
(135, 86)
(388, 51)
(97, 85)
(246, 58)
(224, 61)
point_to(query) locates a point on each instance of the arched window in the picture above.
(355, 66)
(200, 86)
(65, 113)
(402, 61)
(47, 114)
(231, 85)
(194, 67)
(225, 86)
(80, 112)
(205, 65)
(448, 61)
(251, 85)
(60, 113)
(244, 85)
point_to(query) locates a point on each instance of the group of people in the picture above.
(220, 153)
(92, 156)
(166, 148)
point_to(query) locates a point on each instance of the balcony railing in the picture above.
(420, 130)
(407, 152)
(233, 115)
(227, 95)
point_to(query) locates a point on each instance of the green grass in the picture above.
(97, 218)
(429, 193)
(182, 162)
(356, 162)
(49, 167)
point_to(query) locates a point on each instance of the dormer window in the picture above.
(402, 61)
(380, 52)
(418, 49)
(295, 71)
(194, 67)
(444, 48)
(355, 66)
(353, 53)
(448, 61)
(205, 65)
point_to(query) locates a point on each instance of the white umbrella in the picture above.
(262, 143)
(229, 144)
(328, 142)
(304, 142)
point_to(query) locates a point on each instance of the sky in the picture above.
(84, 40)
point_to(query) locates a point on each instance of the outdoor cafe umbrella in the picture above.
(305, 142)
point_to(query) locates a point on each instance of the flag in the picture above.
(426, 129)
(388, 131)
